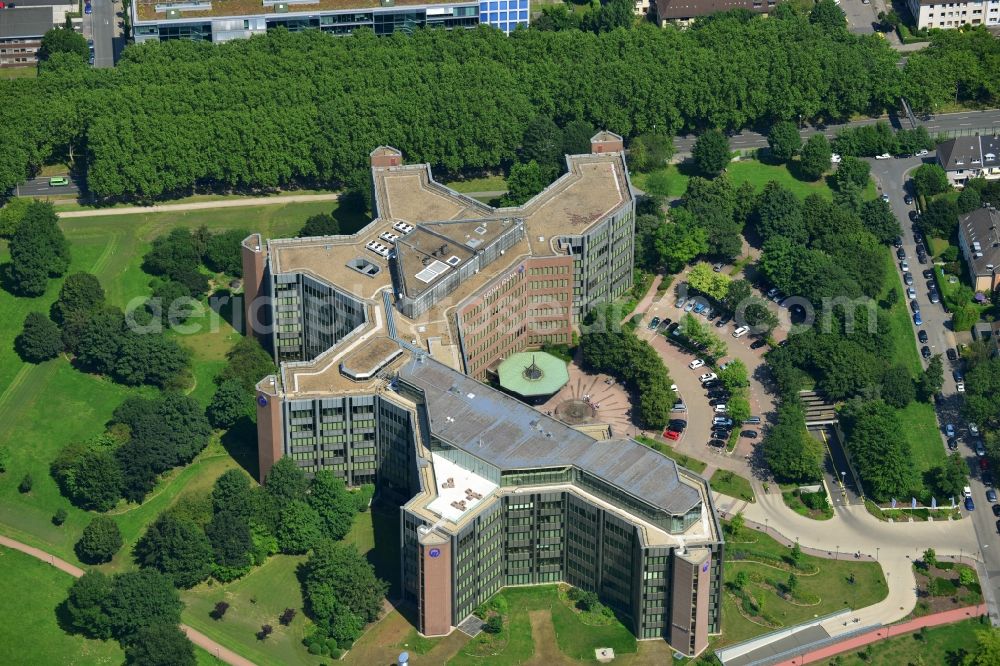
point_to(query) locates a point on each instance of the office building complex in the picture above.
(224, 20)
(382, 337)
(21, 32)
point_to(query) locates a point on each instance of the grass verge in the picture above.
(939, 645)
(693, 464)
(731, 484)
(485, 184)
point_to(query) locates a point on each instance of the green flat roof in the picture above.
(533, 373)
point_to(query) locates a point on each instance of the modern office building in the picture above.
(939, 14)
(381, 338)
(224, 20)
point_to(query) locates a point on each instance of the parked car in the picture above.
(834, 158)
(974, 430)
(917, 319)
(665, 323)
(741, 331)
(723, 421)
(884, 156)
(87, 9)
(720, 443)
(980, 449)
(689, 306)
(898, 242)
(908, 200)
(680, 302)
(984, 464)
(957, 374)
(721, 408)
(885, 198)
(771, 292)
(653, 323)
(58, 181)
(699, 307)
(953, 444)
(679, 406)
(934, 296)
(717, 267)
(707, 377)
(991, 495)
(921, 257)
(711, 383)
(723, 320)
(697, 363)
(749, 434)
(915, 306)
(911, 293)
(721, 433)
(929, 274)
(925, 351)
(904, 265)
(960, 387)
(921, 153)
(908, 279)
(922, 336)
(969, 505)
(707, 312)
(949, 429)
(757, 344)
(952, 354)
(752, 420)
(901, 253)
(677, 424)
(996, 511)
(672, 434)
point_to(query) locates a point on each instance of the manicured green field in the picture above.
(831, 585)
(731, 484)
(515, 645)
(937, 646)
(29, 625)
(485, 184)
(18, 72)
(44, 407)
(666, 182)
(904, 341)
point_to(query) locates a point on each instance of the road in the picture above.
(892, 177)
(201, 640)
(104, 28)
(39, 187)
(201, 205)
(946, 122)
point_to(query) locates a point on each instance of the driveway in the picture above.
(860, 16)
(891, 176)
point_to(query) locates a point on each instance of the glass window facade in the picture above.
(505, 15)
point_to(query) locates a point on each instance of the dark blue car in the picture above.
(969, 506)
(87, 9)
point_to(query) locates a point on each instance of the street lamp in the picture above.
(876, 553)
(837, 556)
(765, 525)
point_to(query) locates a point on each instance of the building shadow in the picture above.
(240, 442)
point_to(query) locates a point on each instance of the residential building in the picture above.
(967, 157)
(21, 32)
(682, 12)
(937, 14)
(224, 20)
(381, 337)
(979, 240)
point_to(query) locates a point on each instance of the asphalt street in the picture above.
(39, 187)
(893, 177)
(103, 26)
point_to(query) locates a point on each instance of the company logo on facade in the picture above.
(434, 552)
(261, 400)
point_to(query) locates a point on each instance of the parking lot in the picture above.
(697, 435)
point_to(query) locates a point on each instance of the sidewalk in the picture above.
(195, 636)
(201, 205)
(936, 620)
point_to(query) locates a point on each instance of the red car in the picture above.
(984, 464)
(672, 434)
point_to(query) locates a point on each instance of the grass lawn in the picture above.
(937, 245)
(29, 628)
(667, 181)
(830, 584)
(922, 433)
(937, 646)
(794, 502)
(904, 341)
(18, 72)
(760, 174)
(261, 596)
(515, 645)
(734, 485)
(486, 184)
(683, 460)
(112, 249)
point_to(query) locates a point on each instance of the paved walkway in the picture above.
(853, 530)
(201, 205)
(196, 637)
(936, 620)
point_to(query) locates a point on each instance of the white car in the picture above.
(974, 430)
(721, 408)
(835, 158)
(673, 387)
(884, 156)
(707, 377)
(911, 293)
(697, 363)
(920, 153)
(960, 387)
(741, 331)
(904, 266)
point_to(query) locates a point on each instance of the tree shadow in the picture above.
(240, 442)
(352, 211)
(224, 303)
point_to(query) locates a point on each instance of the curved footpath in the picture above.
(196, 637)
(896, 546)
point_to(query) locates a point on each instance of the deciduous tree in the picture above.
(784, 140)
(38, 250)
(40, 339)
(711, 152)
(100, 540)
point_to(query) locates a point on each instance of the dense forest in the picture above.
(307, 107)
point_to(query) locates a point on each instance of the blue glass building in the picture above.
(504, 14)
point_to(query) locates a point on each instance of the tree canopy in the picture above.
(40, 339)
(100, 540)
(38, 250)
